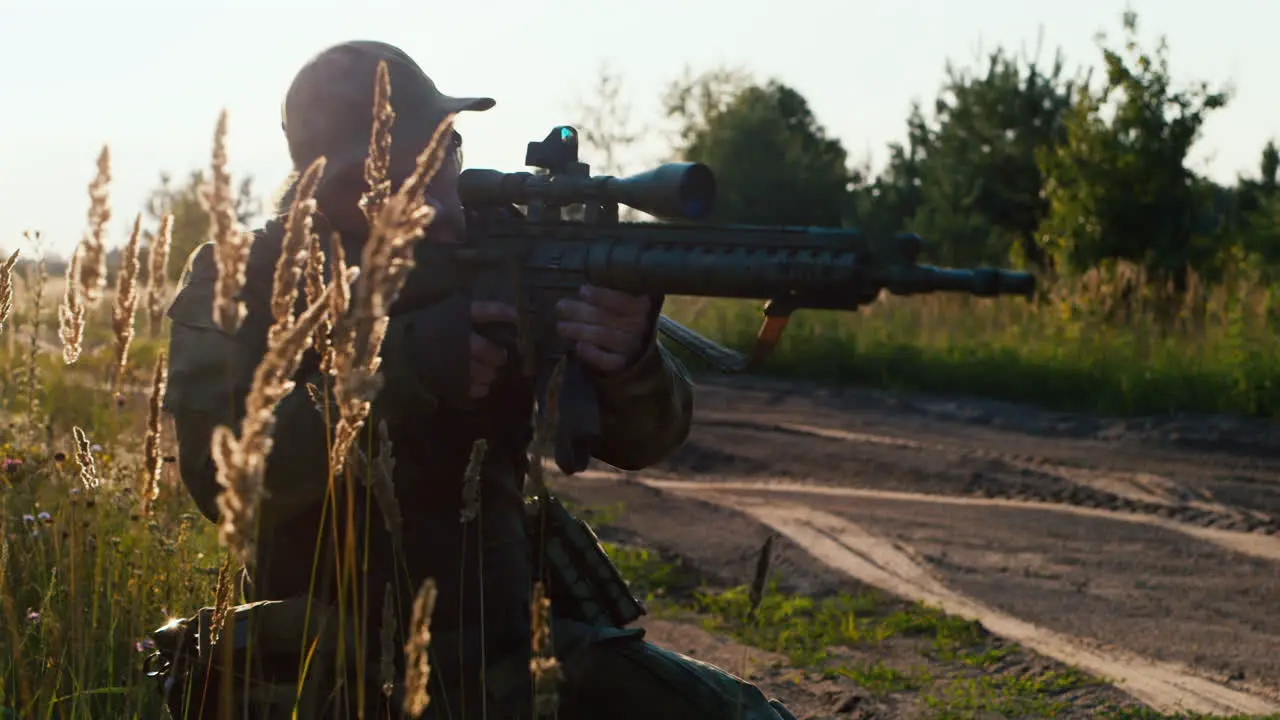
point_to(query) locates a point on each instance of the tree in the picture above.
(1118, 188)
(190, 220)
(606, 130)
(887, 204)
(1255, 216)
(981, 185)
(606, 123)
(773, 162)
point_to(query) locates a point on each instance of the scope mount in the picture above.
(556, 155)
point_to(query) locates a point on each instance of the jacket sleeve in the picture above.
(210, 373)
(646, 410)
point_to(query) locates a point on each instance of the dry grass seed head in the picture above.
(231, 245)
(125, 309)
(379, 160)
(152, 459)
(6, 288)
(387, 660)
(471, 481)
(297, 240)
(417, 669)
(382, 484)
(314, 274)
(92, 276)
(222, 592)
(157, 275)
(543, 667)
(84, 458)
(71, 311)
(241, 460)
(386, 261)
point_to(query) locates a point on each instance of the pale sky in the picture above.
(149, 78)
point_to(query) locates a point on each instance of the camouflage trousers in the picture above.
(605, 672)
(615, 673)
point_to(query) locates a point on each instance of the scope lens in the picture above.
(566, 134)
(697, 191)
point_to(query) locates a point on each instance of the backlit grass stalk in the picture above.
(315, 284)
(6, 288)
(89, 477)
(71, 312)
(543, 666)
(152, 460)
(376, 164)
(157, 275)
(92, 274)
(242, 458)
(126, 305)
(231, 244)
(31, 373)
(417, 668)
(386, 261)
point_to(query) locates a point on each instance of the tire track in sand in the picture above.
(1263, 547)
(851, 549)
(1126, 491)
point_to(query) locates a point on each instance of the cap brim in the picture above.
(473, 104)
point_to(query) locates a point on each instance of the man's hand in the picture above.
(487, 357)
(608, 326)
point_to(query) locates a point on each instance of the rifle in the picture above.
(536, 258)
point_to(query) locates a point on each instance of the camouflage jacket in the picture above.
(645, 414)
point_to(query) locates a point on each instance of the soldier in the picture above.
(432, 360)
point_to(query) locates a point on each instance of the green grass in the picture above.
(1063, 354)
(84, 575)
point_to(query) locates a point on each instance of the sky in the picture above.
(149, 78)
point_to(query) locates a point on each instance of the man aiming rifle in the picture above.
(450, 379)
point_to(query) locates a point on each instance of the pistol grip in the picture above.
(577, 416)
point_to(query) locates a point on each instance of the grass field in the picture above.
(1077, 347)
(85, 574)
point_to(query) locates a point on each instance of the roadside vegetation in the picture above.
(911, 659)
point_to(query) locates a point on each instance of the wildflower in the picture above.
(45, 517)
(28, 519)
(12, 464)
(96, 448)
(33, 616)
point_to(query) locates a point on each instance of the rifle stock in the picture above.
(534, 259)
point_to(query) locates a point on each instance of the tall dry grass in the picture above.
(99, 542)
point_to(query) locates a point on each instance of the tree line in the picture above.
(1018, 163)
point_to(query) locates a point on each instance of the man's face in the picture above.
(449, 224)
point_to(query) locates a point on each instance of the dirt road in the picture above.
(1142, 551)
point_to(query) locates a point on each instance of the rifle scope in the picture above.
(672, 191)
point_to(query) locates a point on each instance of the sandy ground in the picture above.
(1144, 551)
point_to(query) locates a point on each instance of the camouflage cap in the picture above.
(328, 109)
